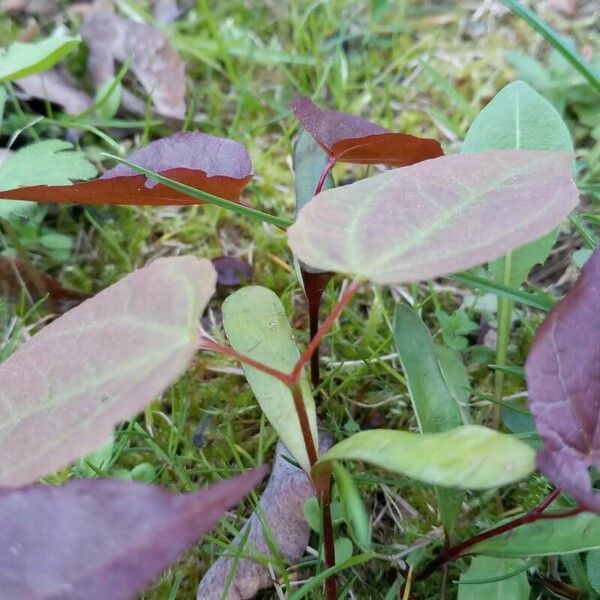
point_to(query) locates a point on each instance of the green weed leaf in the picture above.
(500, 579)
(468, 457)
(257, 326)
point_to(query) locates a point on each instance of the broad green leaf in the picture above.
(545, 537)
(257, 326)
(592, 567)
(501, 579)
(436, 217)
(468, 457)
(519, 118)
(64, 390)
(21, 60)
(435, 406)
(51, 162)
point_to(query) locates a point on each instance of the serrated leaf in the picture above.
(467, 457)
(50, 162)
(100, 539)
(436, 217)
(501, 579)
(257, 326)
(23, 59)
(65, 389)
(545, 537)
(564, 388)
(434, 404)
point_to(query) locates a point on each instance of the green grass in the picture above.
(414, 67)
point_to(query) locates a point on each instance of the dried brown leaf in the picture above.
(281, 511)
(155, 61)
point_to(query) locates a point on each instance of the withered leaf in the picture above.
(280, 514)
(56, 87)
(563, 382)
(15, 274)
(156, 62)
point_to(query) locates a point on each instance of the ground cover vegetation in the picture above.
(317, 317)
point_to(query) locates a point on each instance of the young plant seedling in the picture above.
(65, 389)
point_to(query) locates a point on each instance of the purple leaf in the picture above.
(232, 271)
(437, 217)
(348, 138)
(100, 539)
(63, 391)
(215, 165)
(563, 380)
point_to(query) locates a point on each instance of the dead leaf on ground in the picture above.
(42, 8)
(281, 509)
(16, 275)
(567, 7)
(155, 61)
(56, 86)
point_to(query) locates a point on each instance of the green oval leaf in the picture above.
(545, 537)
(21, 60)
(520, 118)
(257, 326)
(468, 457)
(63, 391)
(500, 578)
(436, 217)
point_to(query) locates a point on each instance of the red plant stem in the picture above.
(307, 437)
(324, 329)
(206, 344)
(324, 174)
(328, 540)
(535, 514)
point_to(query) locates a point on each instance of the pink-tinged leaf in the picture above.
(348, 138)
(436, 217)
(214, 165)
(100, 539)
(63, 391)
(563, 381)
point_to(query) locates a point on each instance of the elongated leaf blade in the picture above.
(434, 405)
(500, 577)
(545, 538)
(520, 118)
(23, 59)
(214, 165)
(436, 217)
(351, 139)
(257, 326)
(99, 539)
(309, 161)
(564, 388)
(65, 389)
(468, 457)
